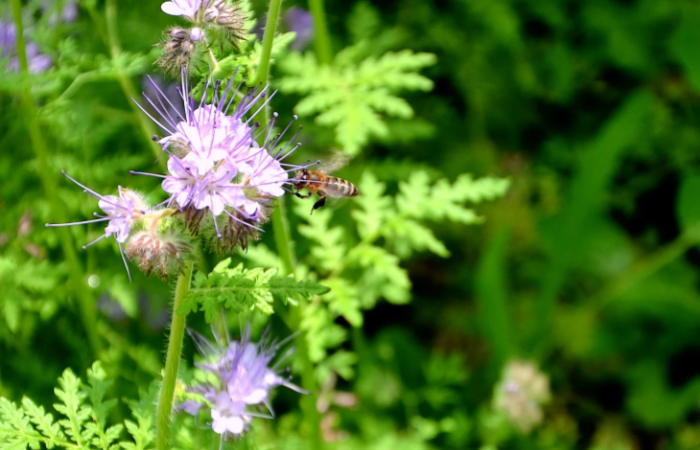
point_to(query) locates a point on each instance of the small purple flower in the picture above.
(239, 384)
(301, 22)
(121, 211)
(36, 61)
(181, 182)
(216, 191)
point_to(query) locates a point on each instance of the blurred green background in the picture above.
(587, 268)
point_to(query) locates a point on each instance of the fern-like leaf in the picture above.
(239, 289)
(77, 414)
(100, 408)
(353, 96)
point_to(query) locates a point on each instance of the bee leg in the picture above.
(301, 195)
(320, 202)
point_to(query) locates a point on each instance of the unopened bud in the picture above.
(161, 253)
(179, 33)
(196, 34)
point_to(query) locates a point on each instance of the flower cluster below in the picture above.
(237, 384)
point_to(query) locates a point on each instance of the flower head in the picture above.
(121, 212)
(225, 18)
(218, 174)
(522, 391)
(238, 384)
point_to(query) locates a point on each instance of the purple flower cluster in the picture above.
(36, 61)
(221, 182)
(215, 163)
(238, 384)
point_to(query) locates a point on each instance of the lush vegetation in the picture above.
(519, 270)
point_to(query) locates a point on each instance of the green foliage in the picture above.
(81, 424)
(365, 266)
(241, 289)
(352, 95)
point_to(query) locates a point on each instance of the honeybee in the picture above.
(318, 182)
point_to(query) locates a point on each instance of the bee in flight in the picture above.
(317, 181)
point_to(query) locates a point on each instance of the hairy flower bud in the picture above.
(161, 253)
(179, 48)
(227, 16)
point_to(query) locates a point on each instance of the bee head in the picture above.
(301, 179)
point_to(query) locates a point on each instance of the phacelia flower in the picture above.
(121, 213)
(520, 394)
(238, 383)
(218, 174)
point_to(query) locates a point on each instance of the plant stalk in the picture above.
(172, 361)
(322, 41)
(284, 246)
(88, 311)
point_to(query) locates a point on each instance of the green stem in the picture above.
(285, 250)
(147, 128)
(172, 361)
(88, 311)
(270, 26)
(322, 41)
(21, 51)
(280, 229)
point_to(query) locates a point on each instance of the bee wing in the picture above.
(334, 162)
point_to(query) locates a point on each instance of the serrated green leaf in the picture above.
(352, 96)
(239, 289)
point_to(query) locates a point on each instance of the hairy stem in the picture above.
(147, 128)
(285, 249)
(88, 311)
(322, 41)
(172, 361)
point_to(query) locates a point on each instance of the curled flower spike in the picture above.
(122, 211)
(238, 384)
(225, 16)
(218, 174)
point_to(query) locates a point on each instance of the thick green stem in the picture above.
(88, 312)
(172, 361)
(270, 26)
(147, 128)
(322, 41)
(280, 227)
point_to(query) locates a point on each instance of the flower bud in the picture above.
(179, 34)
(178, 49)
(161, 253)
(229, 17)
(196, 34)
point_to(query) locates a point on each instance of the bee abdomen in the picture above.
(338, 187)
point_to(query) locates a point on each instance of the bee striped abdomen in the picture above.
(337, 187)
